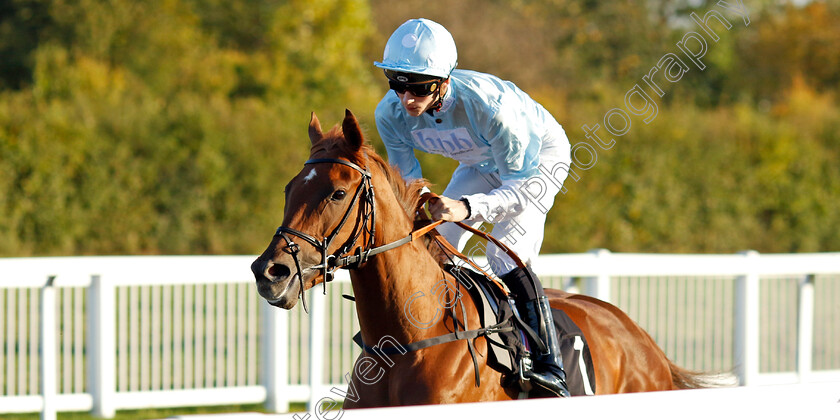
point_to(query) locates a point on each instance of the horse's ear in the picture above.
(352, 131)
(315, 129)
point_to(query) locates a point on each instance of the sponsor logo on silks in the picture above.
(444, 142)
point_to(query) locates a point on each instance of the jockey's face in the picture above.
(416, 105)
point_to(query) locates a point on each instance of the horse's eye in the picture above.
(338, 195)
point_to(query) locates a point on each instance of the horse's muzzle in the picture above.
(275, 283)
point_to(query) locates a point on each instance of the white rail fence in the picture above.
(103, 334)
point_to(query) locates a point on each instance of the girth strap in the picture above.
(441, 339)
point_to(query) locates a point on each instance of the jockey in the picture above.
(504, 140)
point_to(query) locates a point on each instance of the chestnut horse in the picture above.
(332, 219)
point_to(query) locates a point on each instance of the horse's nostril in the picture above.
(279, 271)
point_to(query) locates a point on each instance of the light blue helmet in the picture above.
(420, 46)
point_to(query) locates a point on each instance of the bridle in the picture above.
(340, 258)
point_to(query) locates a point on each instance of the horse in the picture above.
(333, 219)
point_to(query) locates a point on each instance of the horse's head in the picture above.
(329, 214)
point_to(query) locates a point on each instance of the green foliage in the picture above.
(172, 126)
(709, 181)
(141, 134)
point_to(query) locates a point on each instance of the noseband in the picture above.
(339, 259)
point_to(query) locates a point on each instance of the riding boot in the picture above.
(536, 313)
(548, 367)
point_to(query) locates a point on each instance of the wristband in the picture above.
(469, 210)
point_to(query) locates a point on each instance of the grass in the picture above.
(157, 413)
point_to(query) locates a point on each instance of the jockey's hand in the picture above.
(447, 209)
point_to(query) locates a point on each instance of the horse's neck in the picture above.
(397, 293)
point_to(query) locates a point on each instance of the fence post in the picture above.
(599, 286)
(805, 328)
(317, 325)
(48, 350)
(275, 357)
(102, 346)
(747, 320)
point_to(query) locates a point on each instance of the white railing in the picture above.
(135, 332)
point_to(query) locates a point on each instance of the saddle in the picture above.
(508, 348)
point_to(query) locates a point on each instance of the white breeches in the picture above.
(522, 233)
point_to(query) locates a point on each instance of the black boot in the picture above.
(548, 367)
(535, 311)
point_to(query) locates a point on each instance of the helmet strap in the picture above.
(438, 104)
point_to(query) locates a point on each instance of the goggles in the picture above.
(416, 89)
(417, 84)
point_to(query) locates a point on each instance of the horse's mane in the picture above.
(407, 193)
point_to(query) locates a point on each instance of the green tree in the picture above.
(21, 29)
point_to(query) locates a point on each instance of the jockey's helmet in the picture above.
(420, 46)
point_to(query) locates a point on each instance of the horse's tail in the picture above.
(689, 379)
